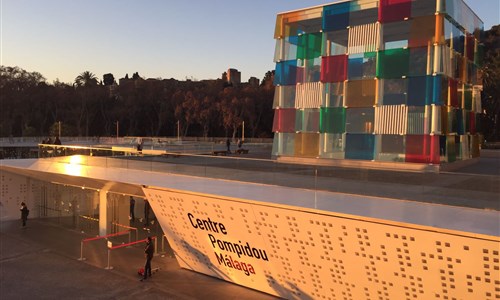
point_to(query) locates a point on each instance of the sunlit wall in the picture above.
(382, 80)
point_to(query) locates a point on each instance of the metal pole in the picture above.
(243, 132)
(117, 128)
(109, 254)
(59, 128)
(81, 251)
(178, 130)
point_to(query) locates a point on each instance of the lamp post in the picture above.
(117, 128)
(178, 130)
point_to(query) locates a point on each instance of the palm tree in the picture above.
(86, 79)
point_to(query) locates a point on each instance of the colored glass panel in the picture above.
(334, 68)
(422, 31)
(309, 45)
(307, 144)
(422, 149)
(459, 116)
(394, 10)
(332, 146)
(286, 73)
(395, 91)
(286, 48)
(332, 119)
(439, 91)
(467, 92)
(453, 94)
(362, 66)
(360, 120)
(284, 120)
(479, 55)
(391, 148)
(298, 22)
(360, 93)
(472, 122)
(393, 63)
(420, 90)
(336, 16)
(360, 146)
(451, 149)
(334, 94)
(419, 120)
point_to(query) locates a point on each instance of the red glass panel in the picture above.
(422, 149)
(394, 10)
(334, 68)
(284, 120)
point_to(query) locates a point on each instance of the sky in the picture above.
(181, 39)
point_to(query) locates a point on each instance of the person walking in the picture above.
(149, 250)
(228, 145)
(24, 213)
(147, 208)
(132, 209)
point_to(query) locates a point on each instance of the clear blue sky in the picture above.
(197, 39)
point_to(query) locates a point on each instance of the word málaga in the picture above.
(239, 248)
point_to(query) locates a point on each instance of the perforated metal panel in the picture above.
(313, 254)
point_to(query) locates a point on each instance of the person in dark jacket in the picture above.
(149, 250)
(24, 213)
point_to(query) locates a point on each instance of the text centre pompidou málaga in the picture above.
(388, 80)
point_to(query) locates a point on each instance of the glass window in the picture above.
(332, 146)
(360, 146)
(284, 96)
(286, 73)
(307, 120)
(362, 66)
(334, 68)
(421, 61)
(284, 144)
(395, 91)
(393, 63)
(336, 16)
(335, 42)
(284, 120)
(422, 149)
(309, 95)
(286, 48)
(334, 94)
(396, 35)
(310, 71)
(394, 10)
(309, 45)
(332, 120)
(391, 148)
(363, 12)
(422, 31)
(419, 120)
(423, 8)
(360, 93)
(359, 120)
(307, 144)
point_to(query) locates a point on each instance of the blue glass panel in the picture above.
(286, 73)
(420, 90)
(335, 16)
(360, 146)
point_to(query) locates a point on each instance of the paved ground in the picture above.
(41, 262)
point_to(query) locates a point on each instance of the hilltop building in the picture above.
(383, 81)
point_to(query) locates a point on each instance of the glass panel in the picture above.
(286, 73)
(475, 146)
(469, 47)
(453, 92)
(419, 120)
(467, 97)
(307, 144)
(332, 120)
(284, 96)
(395, 35)
(360, 146)
(360, 93)
(391, 119)
(298, 22)
(310, 71)
(335, 42)
(334, 94)
(422, 149)
(460, 121)
(422, 31)
(444, 121)
(423, 8)
(307, 120)
(362, 66)
(309, 46)
(439, 91)
(336, 16)
(479, 55)
(309, 95)
(332, 146)
(286, 49)
(334, 68)
(394, 10)
(390, 148)
(284, 144)
(395, 91)
(363, 12)
(364, 38)
(393, 63)
(421, 61)
(284, 120)
(360, 120)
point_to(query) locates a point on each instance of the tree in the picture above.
(491, 85)
(108, 79)
(86, 79)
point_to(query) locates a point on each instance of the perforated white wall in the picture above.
(320, 255)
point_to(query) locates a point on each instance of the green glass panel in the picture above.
(309, 46)
(467, 97)
(393, 63)
(332, 120)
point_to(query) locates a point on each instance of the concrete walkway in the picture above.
(41, 262)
